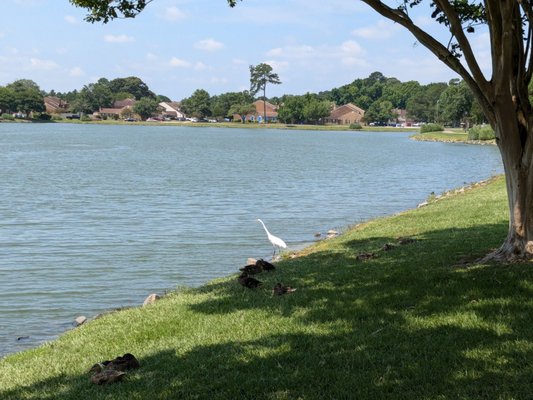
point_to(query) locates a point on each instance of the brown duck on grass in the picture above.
(107, 376)
(265, 265)
(121, 363)
(251, 269)
(248, 281)
(280, 289)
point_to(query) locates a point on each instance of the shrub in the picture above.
(57, 117)
(8, 116)
(481, 132)
(85, 118)
(44, 117)
(356, 126)
(431, 128)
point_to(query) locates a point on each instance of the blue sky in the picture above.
(178, 46)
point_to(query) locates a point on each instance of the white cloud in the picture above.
(381, 30)
(200, 66)
(118, 38)
(351, 47)
(71, 19)
(238, 61)
(216, 79)
(176, 62)
(37, 63)
(278, 65)
(76, 71)
(209, 45)
(302, 51)
(173, 14)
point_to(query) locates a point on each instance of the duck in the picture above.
(107, 376)
(365, 256)
(388, 247)
(265, 265)
(252, 269)
(280, 289)
(248, 281)
(125, 362)
(121, 363)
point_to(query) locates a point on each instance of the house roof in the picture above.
(346, 109)
(124, 103)
(110, 110)
(271, 109)
(55, 102)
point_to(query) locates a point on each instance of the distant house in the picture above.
(258, 115)
(345, 115)
(119, 108)
(54, 105)
(401, 117)
(171, 109)
(124, 103)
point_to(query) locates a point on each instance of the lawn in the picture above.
(445, 136)
(374, 316)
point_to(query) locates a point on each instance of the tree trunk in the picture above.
(516, 150)
(264, 105)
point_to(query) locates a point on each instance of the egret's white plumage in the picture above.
(276, 241)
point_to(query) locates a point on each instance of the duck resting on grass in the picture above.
(248, 281)
(265, 265)
(121, 363)
(107, 376)
(251, 269)
(280, 289)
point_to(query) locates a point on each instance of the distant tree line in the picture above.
(446, 103)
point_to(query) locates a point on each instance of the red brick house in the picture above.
(54, 105)
(258, 115)
(345, 115)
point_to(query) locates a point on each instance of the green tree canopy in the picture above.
(242, 109)
(145, 107)
(221, 104)
(26, 96)
(455, 104)
(198, 105)
(133, 85)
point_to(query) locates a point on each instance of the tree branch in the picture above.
(436, 48)
(456, 29)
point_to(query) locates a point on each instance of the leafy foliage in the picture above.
(198, 105)
(481, 132)
(431, 128)
(145, 107)
(110, 9)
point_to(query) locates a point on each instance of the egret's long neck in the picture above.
(264, 227)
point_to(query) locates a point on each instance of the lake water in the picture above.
(96, 217)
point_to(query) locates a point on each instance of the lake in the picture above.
(95, 217)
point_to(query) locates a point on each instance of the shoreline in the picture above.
(298, 251)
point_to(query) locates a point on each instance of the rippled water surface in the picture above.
(95, 217)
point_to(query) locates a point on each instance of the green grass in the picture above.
(411, 323)
(446, 136)
(297, 127)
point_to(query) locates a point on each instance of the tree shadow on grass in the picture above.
(406, 324)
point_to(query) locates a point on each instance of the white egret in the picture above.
(276, 241)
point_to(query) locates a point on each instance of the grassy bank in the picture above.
(413, 321)
(299, 127)
(445, 136)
